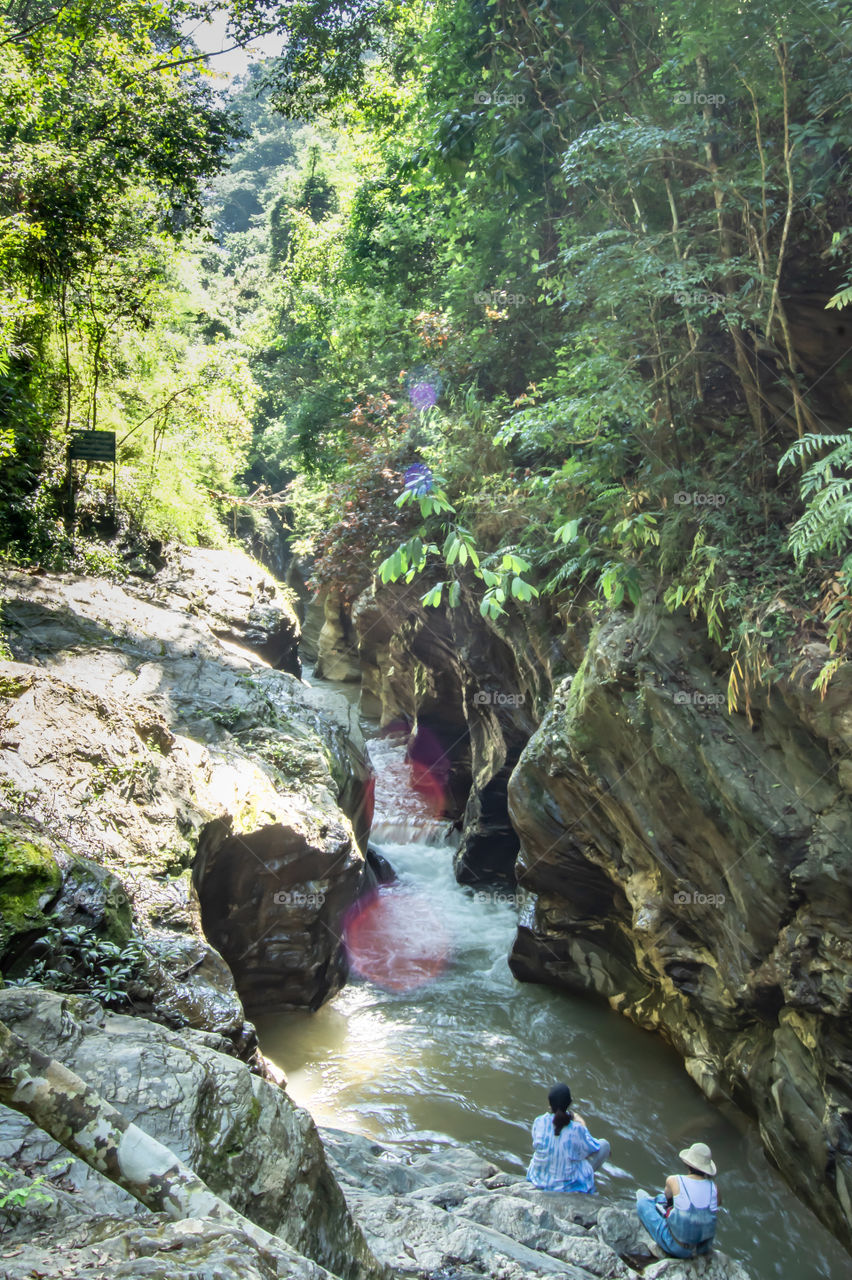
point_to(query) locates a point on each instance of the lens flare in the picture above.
(394, 939)
(418, 479)
(430, 770)
(423, 395)
(424, 385)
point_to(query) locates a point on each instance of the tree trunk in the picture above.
(75, 1114)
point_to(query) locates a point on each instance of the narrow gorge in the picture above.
(686, 865)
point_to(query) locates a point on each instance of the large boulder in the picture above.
(242, 1135)
(239, 601)
(273, 901)
(142, 735)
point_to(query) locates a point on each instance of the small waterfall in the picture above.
(403, 815)
(411, 831)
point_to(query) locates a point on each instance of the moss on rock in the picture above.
(30, 879)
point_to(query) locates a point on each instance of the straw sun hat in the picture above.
(698, 1157)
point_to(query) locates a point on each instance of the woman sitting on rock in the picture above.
(683, 1219)
(565, 1155)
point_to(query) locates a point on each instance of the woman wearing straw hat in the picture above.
(683, 1219)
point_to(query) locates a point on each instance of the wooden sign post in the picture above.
(89, 446)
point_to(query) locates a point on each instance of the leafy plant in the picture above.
(30, 1194)
(501, 572)
(76, 959)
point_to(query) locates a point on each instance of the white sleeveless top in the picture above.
(700, 1193)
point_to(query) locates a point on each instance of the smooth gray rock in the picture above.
(141, 733)
(446, 1211)
(242, 1135)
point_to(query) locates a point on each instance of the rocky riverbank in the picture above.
(184, 825)
(346, 1207)
(688, 865)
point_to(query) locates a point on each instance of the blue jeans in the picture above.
(598, 1158)
(655, 1224)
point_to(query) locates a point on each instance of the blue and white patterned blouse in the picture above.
(560, 1163)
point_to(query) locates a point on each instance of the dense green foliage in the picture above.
(110, 140)
(585, 266)
(590, 267)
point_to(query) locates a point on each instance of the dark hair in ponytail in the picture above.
(560, 1100)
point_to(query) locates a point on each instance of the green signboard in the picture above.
(92, 446)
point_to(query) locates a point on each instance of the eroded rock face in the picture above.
(241, 1135)
(273, 901)
(695, 871)
(470, 695)
(240, 603)
(336, 643)
(136, 730)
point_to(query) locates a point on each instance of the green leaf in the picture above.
(567, 532)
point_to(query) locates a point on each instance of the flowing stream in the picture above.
(440, 1044)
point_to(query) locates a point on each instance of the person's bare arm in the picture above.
(672, 1187)
(579, 1119)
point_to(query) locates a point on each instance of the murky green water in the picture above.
(469, 1056)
